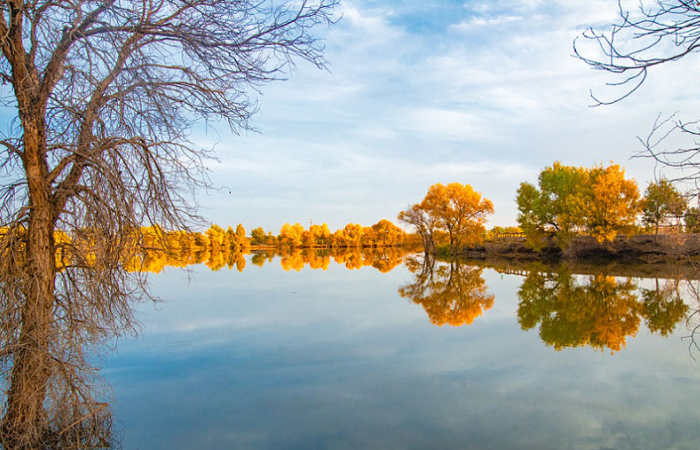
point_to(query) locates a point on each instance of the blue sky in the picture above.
(420, 92)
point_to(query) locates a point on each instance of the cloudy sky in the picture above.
(424, 91)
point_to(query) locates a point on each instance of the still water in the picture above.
(269, 358)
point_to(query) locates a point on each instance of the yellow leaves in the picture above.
(459, 210)
(291, 235)
(353, 235)
(601, 312)
(216, 248)
(612, 203)
(598, 201)
(451, 294)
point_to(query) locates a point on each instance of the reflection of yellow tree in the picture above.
(599, 313)
(297, 259)
(383, 259)
(216, 248)
(451, 293)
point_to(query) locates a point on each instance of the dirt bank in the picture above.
(624, 249)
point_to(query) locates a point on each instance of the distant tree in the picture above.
(353, 234)
(318, 236)
(257, 236)
(692, 220)
(291, 235)
(661, 201)
(387, 234)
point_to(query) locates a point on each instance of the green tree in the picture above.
(599, 201)
(257, 236)
(663, 307)
(661, 201)
(544, 210)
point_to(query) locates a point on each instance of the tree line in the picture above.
(382, 234)
(597, 201)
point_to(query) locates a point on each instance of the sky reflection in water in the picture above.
(336, 359)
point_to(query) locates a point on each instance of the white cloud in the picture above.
(412, 99)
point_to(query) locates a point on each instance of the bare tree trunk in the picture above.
(32, 366)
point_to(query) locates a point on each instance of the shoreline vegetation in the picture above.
(574, 214)
(384, 246)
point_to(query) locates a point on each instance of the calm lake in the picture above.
(268, 358)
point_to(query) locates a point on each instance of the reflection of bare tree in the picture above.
(692, 291)
(451, 293)
(599, 312)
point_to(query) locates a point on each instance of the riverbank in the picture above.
(624, 249)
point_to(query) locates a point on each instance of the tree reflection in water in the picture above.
(451, 293)
(598, 311)
(383, 259)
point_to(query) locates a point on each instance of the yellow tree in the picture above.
(291, 235)
(606, 203)
(600, 313)
(386, 233)
(451, 294)
(460, 210)
(317, 236)
(353, 234)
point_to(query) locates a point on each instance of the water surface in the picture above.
(345, 359)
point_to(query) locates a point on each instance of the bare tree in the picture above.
(425, 225)
(655, 33)
(104, 93)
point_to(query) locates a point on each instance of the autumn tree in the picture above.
(599, 201)
(460, 210)
(455, 208)
(257, 236)
(317, 236)
(291, 235)
(387, 234)
(103, 95)
(662, 201)
(451, 293)
(600, 313)
(607, 203)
